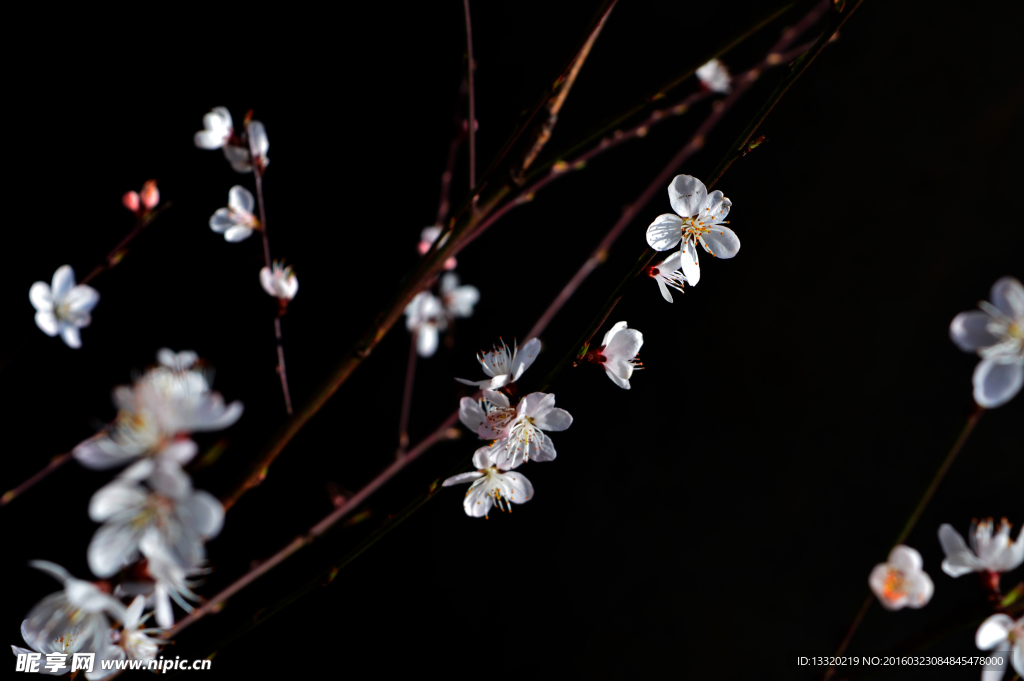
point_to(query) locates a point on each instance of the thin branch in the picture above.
(937, 479)
(410, 375)
(470, 68)
(55, 463)
(444, 204)
(257, 171)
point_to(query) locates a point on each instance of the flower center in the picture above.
(893, 587)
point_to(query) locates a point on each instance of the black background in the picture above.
(719, 518)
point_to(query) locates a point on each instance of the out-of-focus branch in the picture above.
(470, 68)
(55, 463)
(410, 375)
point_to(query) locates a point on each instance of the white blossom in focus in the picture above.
(279, 282)
(424, 316)
(987, 553)
(491, 487)
(178, 518)
(1004, 635)
(503, 365)
(427, 238)
(237, 221)
(72, 620)
(522, 437)
(667, 274)
(700, 219)
(996, 333)
(715, 77)
(900, 581)
(155, 416)
(63, 308)
(617, 354)
(458, 300)
(489, 416)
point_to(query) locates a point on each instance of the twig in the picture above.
(115, 256)
(257, 171)
(410, 375)
(426, 269)
(470, 67)
(940, 474)
(55, 463)
(449, 169)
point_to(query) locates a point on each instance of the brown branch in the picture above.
(470, 68)
(410, 375)
(55, 463)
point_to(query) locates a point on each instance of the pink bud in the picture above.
(131, 201)
(423, 247)
(150, 195)
(450, 264)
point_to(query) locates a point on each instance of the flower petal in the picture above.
(993, 631)
(621, 381)
(959, 559)
(478, 500)
(554, 419)
(716, 210)
(114, 498)
(113, 546)
(426, 340)
(905, 559)
(688, 195)
(237, 233)
(208, 139)
(258, 140)
(221, 220)
(47, 323)
(996, 383)
(689, 263)
(618, 326)
(1008, 295)
(241, 199)
(71, 337)
(969, 331)
(720, 242)
(462, 478)
(40, 297)
(525, 357)
(63, 281)
(665, 232)
(519, 488)
(81, 300)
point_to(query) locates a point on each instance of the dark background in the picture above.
(721, 517)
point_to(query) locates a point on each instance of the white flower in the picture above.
(66, 645)
(155, 416)
(617, 354)
(217, 129)
(667, 274)
(997, 335)
(491, 487)
(987, 553)
(427, 238)
(219, 133)
(505, 366)
(178, 518)
(700, 218)
(424, 315)
(63, 308)
(488, 417)
(458, 300)
(139, 643)
(1003, 634)
(170, 580)
(279, 282)
(714, 76)
(237, 221)
(72, 620)
(521, 437)
(900, 581)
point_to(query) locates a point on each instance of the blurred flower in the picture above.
(72, 620)
(505, 366)
(236, 221)
(1003, 634)
(900, 581)
(155, 416)
(700, 218)
(714, 76)
(178, 518)
(458, 300)
(259, 144)
(427, 238)
(987, 553)
(491, 487)
(149, 198)
(170, 580)
(522, 438)
(667, 273)
(279, 282)
(219, 133)
(617, 354)
(424, 316)
(138, 643)
(63, 308)
(996, 333)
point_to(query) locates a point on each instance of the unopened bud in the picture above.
(131, 201)
(150, 195)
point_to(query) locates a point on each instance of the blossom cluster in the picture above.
(154, 524)
(902, 582)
